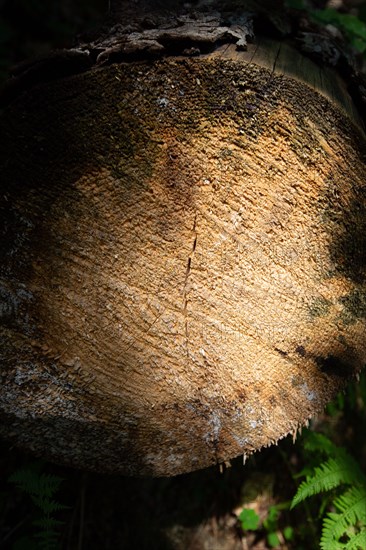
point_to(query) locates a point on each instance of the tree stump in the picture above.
(182, 249)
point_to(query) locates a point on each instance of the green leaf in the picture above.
(350, 24)
(288, 533)
(328, 15)
(270, 523)
(273, 513)
(359, 44)
(249, 519)
(273, 540)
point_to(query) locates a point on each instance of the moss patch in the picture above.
(354, 306)
(319, 307)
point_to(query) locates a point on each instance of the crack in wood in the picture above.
(276, 59)
(188, 272)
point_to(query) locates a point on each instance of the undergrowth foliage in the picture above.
(42, 489)
(339, 472)
(352, 26)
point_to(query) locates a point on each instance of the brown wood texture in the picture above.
(182, 258)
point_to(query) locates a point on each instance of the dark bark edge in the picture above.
(189, 31)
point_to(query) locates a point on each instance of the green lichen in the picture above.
(354, 305)
(319, 307)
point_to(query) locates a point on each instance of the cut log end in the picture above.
(183, 261)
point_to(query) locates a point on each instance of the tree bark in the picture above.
(182, 246)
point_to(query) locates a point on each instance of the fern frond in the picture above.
(328, 476)
(358, 542)
(47, 540)
(352, 505)
(47, 536)
(26, 480)
(48, 484)
(319, 443)
(34, 483)
(331, 531)
(46, 505)
(41, 488)
(47, 524)
(353, 501)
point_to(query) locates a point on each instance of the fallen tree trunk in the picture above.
(182, 246)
